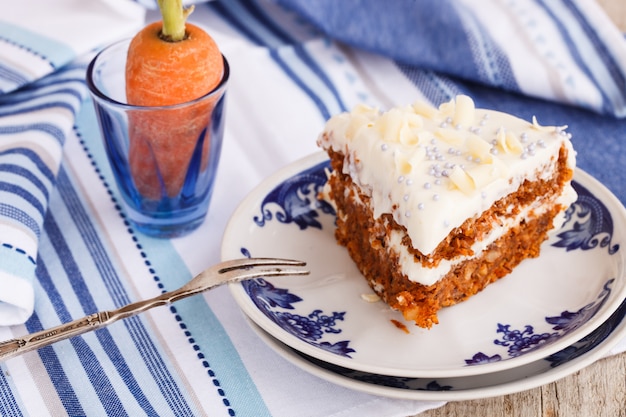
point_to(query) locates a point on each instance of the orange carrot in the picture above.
(169, 62)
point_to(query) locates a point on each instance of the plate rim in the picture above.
(523, 383)
(311, 160)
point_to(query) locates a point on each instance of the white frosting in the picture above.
(433, 168)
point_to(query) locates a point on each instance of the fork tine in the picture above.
(245, 263)
(242, 269)
(236, 275)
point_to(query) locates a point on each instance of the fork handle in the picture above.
(37, 340)
(15, 347)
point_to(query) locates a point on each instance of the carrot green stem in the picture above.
(174, 17)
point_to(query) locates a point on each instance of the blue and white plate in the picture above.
(543, 371)
(544, 306)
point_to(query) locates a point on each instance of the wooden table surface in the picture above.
(596, 391)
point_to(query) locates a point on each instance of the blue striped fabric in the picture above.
(71, 243)
(591, 54)
(49, 51)
(38, 37)
(448, 37)
(285, 50)
(29, 160)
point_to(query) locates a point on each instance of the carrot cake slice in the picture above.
(434, 204)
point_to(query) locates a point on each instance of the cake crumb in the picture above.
(370, 298)
(400, 326)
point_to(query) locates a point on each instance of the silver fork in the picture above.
(225, 272)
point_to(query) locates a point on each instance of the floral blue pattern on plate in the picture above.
(545, 305)
(310, 328)
(520, 342)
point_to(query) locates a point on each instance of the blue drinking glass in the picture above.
(164, 158)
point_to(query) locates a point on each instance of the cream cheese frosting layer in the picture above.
(433, 168)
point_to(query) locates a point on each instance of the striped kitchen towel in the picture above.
(199, 357)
